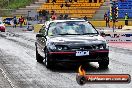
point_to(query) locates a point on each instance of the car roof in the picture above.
(64, 20)
(48, 22)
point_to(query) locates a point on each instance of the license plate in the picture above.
(82, 53)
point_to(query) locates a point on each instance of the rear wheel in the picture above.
(104, 63)
(38, 57)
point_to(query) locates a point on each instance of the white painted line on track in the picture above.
(7, 78)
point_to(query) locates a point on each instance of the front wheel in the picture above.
(38, 57)
(48, 63)
(104, 63)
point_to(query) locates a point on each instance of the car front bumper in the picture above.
(70, 56)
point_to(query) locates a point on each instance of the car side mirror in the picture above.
(102, 33)
(40, 35)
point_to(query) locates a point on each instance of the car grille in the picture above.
(97, 46)
(90, 47)
(82, 48)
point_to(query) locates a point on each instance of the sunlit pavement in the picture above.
(123, 45)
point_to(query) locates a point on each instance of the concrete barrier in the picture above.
(120, 35)
(102, 23)
(37, 27)
(24, 23)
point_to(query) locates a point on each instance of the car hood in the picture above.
(78, 39)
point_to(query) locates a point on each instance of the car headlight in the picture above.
(59, 47)
(107, 46)
(95, 47)
(65, 47)
(52, 46)
(101, 47)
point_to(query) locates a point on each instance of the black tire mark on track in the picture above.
(18, 42)
(20, 36)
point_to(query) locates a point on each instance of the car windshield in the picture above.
(71, 28)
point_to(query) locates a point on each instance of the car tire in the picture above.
(47, 62)
(104, 63)
(38, 57)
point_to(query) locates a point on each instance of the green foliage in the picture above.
(9, 6)
(15, 4)
(3, 3)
